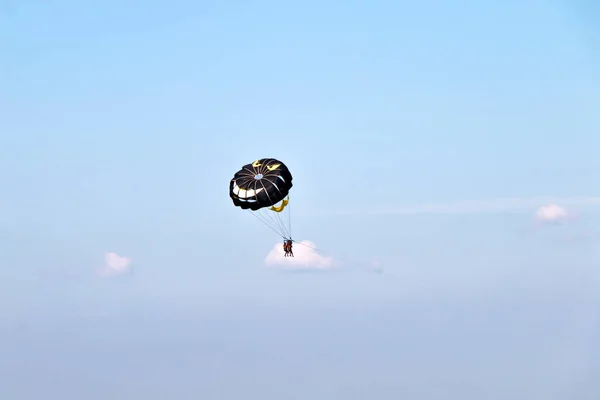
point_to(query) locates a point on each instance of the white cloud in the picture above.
(305, 257)
(115, 265)
(552, 213)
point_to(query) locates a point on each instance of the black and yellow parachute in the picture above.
(263, 188)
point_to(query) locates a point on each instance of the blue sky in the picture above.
(422, 136)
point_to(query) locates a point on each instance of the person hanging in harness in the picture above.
(289, 248)
(286, 248)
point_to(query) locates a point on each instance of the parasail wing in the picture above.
(261, 184)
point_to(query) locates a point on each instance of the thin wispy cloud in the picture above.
(59, 273)
(489, 206)
(115, 265)
(306, 257)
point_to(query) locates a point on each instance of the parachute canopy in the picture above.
(263, 187)
(261, 184)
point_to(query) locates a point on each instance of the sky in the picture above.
(446, 169)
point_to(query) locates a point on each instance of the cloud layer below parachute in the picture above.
(305, 257)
